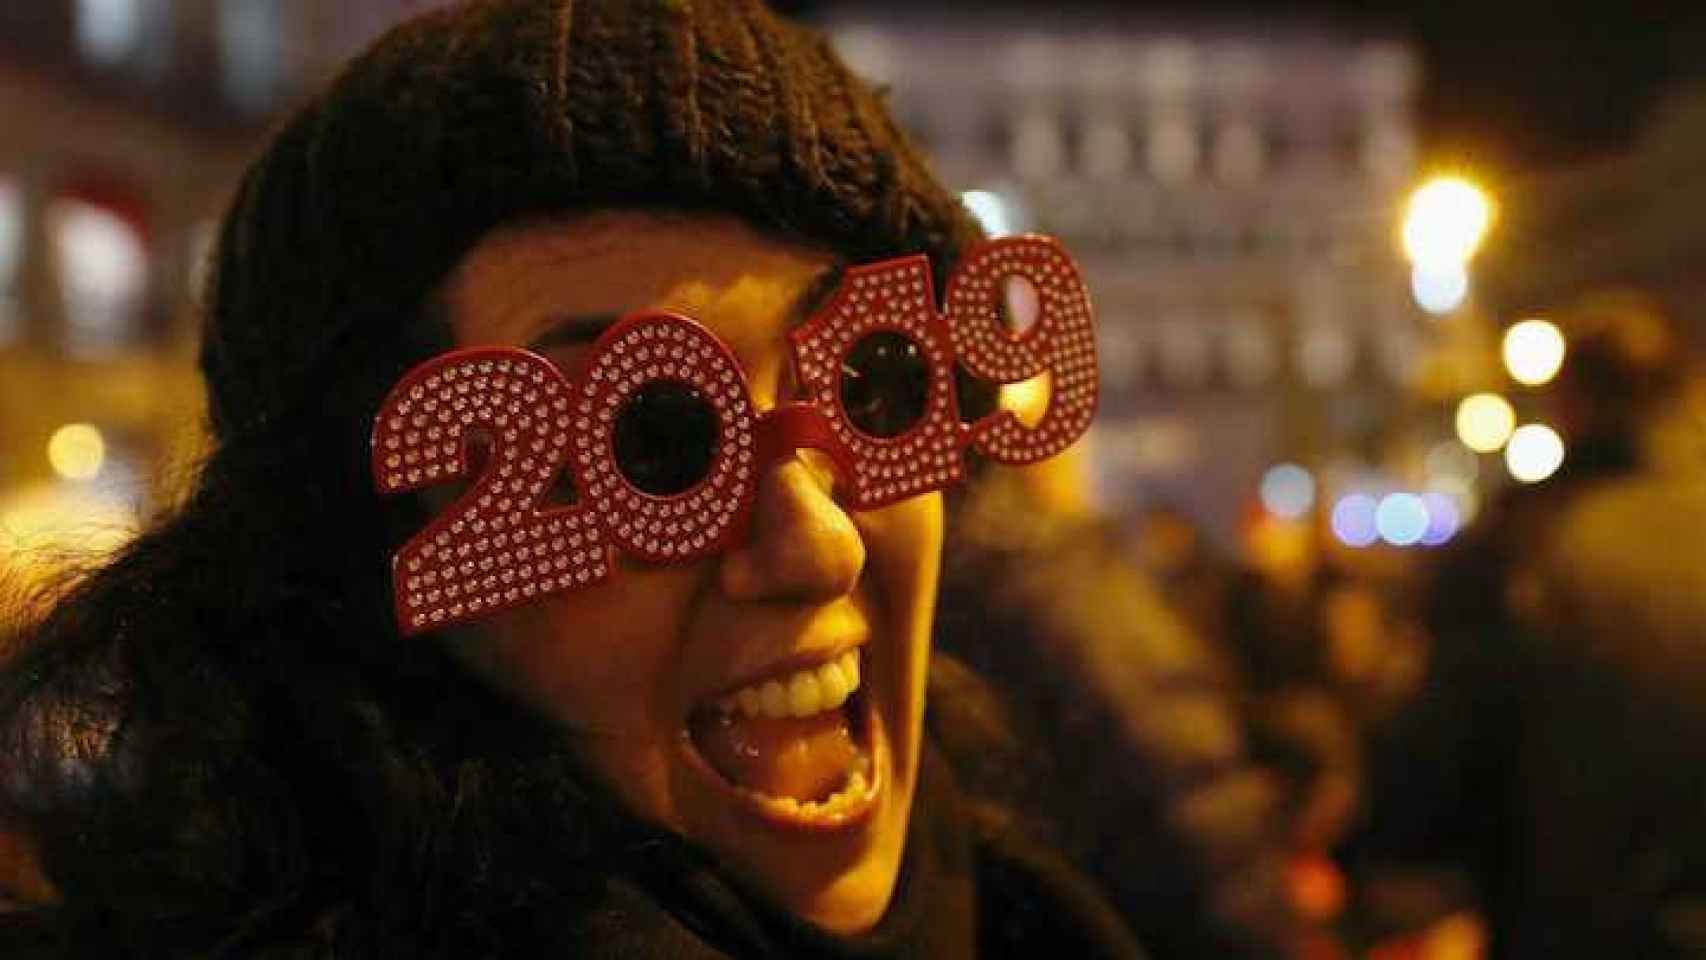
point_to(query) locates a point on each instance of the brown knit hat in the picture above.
(486, 111)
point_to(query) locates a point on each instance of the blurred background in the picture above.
(1291, 324)
(1341, 255)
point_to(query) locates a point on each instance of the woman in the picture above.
(222, 743)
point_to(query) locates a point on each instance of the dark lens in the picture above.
(666, 436)
(885, 383)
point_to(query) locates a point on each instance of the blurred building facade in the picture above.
(128, 125)
(1232, 192)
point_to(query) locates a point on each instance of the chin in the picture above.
(808, 806)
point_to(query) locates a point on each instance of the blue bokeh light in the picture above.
(1401, 519)
(1444, 519)
(1354, 521)
(1288, 491)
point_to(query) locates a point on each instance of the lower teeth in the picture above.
(857, 787)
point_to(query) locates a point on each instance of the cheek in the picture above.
(905, 555)
(904, 549)
(593, 661)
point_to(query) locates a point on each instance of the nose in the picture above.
(800, 545)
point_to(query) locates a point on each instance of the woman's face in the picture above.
(766, 703)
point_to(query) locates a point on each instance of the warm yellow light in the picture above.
(1028, 399)
(45, 527)
(1484, 422)
(77, 451)
(1444, 222)
(1535, 453)
(1534, 351)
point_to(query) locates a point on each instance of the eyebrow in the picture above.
(568, 330)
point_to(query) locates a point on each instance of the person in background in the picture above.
(1103, 718)
(1548, 772)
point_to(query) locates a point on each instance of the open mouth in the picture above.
(796, 746)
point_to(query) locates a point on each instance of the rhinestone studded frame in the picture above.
(1061, 342)
(497, 547)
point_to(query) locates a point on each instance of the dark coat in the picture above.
(972, 885)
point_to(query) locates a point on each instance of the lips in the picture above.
(793, 745)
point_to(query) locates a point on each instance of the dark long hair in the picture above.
(219, 739)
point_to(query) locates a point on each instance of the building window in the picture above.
(11, 259)
(135, 34)
(1326, 354)
(109, 31)
(1173, 149)
(251, 56)
(100, 251)
(1037, 149)
(867, 52)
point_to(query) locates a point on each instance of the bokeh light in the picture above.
(1401, 519)
(1439, 288)
(1444, 519)
(1535, 452)
(1445, 221)
(76, 451)
(1462, 495)
(1450, 459)
(1533, 351)
(991, 210)
(1288, 491)
(102, 260)
(1354, 520)
(1485, 422)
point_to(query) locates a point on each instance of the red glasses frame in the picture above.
(498, 547)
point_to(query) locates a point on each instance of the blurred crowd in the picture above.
(1489, 749)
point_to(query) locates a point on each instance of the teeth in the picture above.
(802, 694)
(832, 685)
(749, 701)
(857, 790)
(774, 699)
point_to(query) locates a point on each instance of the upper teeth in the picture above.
(800, 694)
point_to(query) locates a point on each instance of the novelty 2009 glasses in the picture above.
(664, 447)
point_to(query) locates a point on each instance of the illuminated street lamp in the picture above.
(1444, 223)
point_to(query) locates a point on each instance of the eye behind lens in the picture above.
(885, 384)
(665, 438)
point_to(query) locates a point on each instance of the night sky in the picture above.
(1511, 83)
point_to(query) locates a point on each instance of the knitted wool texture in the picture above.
(488, 111)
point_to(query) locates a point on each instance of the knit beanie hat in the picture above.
(491, 110)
